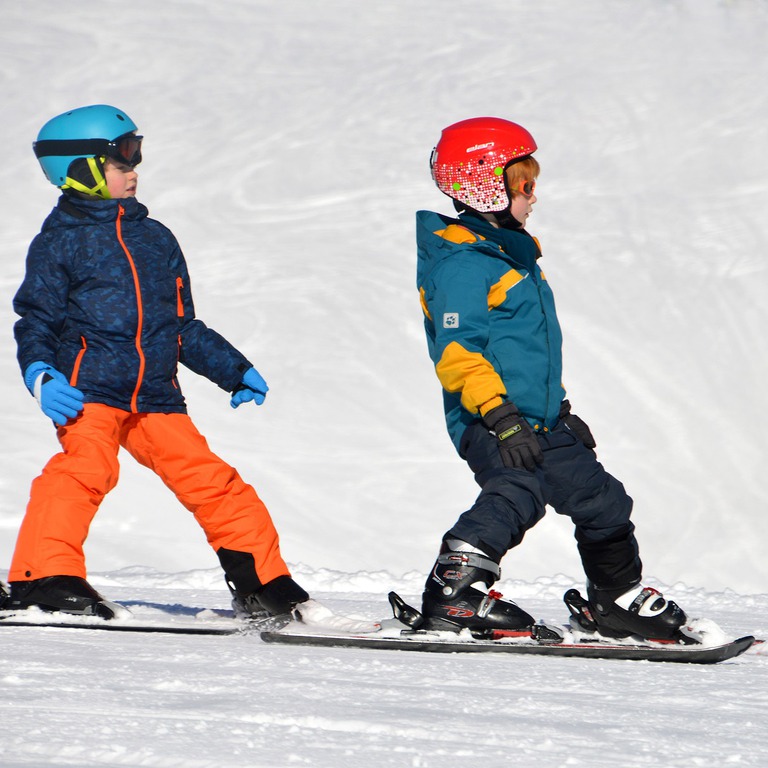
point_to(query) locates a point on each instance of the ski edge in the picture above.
(114, 626)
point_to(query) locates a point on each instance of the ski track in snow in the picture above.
(286, 146)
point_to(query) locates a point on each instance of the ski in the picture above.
(113, 625)
(123, 620)
(541, 640)
(169, 629)
(69, 621)
(431, 642)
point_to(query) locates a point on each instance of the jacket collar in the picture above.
(508, 239)
(79, 210)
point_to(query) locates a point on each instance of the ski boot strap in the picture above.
(469, 560)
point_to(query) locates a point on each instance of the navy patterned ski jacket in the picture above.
(106, 300)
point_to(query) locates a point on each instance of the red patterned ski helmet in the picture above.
(468, 162)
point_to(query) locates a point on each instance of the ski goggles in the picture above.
(525, 188)
(124, 149)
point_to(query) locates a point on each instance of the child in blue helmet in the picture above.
(495, 340)
(106, 318)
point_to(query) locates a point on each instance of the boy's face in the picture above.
(522, 206)
(121, 179)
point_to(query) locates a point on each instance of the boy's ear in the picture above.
(86, 175)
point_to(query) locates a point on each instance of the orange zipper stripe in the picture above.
(179, 302)
(78, 360)
(139, 306)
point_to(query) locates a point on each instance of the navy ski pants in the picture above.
(573, 482)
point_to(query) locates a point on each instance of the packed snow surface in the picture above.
(83, 698)
(286, 146)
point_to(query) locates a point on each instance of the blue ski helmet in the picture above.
(85, 133)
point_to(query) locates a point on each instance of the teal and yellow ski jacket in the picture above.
(490, 319)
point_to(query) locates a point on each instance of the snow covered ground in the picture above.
(286, 146)
(233, 702)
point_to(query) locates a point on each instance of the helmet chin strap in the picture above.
(506, 220)
(502, 219)
(92, 181)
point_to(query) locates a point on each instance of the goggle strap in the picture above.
(92, 147)
(65, 147)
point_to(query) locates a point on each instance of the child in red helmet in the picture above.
(495, 340)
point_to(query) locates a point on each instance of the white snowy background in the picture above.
(287, 146)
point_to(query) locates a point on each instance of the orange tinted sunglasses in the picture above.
(525, 188)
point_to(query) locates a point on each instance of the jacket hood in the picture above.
(518, 246)
(432, 248)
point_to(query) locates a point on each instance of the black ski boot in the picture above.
(641, 611)
(276, 598)
(67, 594)
(452, 602)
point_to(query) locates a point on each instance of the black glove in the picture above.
(576, 425)
(518, 445)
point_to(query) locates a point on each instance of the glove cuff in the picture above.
(32, 374)
(494, 402)
(500, 413)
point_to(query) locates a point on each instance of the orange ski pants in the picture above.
(67, 495)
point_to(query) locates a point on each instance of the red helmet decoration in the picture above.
(468, 162)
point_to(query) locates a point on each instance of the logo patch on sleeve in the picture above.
(450, 320)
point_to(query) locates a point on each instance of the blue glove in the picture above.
(57, 399)
(252, 387)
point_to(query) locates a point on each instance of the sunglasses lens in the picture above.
(524, 188)
(127, 149)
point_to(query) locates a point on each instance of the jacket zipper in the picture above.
(78, 361)
(179, 302)
(139, 307)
